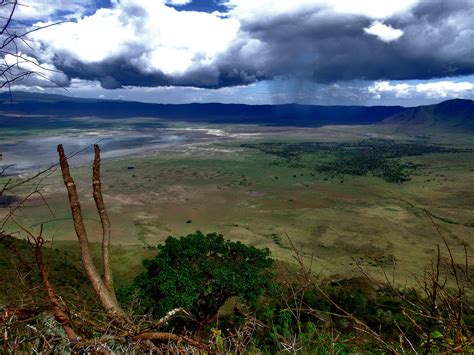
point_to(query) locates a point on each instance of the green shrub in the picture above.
(200, 272)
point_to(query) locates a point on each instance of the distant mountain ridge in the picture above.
(457, 114)
(276, 115)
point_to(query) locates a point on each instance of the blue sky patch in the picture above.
(201, 6)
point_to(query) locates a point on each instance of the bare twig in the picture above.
(362, 325)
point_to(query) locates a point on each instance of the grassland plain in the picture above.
(339, 223)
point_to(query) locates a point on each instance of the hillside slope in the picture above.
(455, 114)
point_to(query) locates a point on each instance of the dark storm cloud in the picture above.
(317, 45)
(112, 74)
(119, 73)
(438, 41)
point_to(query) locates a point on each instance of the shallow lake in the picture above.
(39, 152)
(30, 145)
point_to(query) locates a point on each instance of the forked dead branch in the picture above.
(103, 287)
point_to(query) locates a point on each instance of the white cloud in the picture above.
(442, 89)
(41, 74)
(178, 2)
(151, 35)
(374, 9)
(398, 90)
(91, 39)
(383, 32)
(43, 9)
(431, 90)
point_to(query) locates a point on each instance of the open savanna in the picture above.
(340, 224)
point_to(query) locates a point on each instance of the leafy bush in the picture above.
(200, 272)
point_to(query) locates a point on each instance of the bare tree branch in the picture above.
(58, 312)
(15, 2)
(104, 220)
(109, 303)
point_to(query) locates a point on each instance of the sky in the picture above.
(326, 52)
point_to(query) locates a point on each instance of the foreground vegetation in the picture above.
(237, 306)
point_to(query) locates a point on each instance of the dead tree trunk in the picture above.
(53, 299)
(108, 301)
(104, 220)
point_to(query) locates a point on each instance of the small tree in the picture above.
(200, 272)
